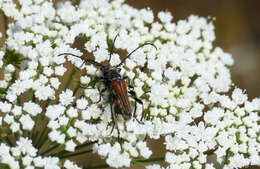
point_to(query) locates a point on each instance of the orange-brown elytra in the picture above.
(120, 88)
(117, 87)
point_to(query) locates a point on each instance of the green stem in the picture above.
(17, 136)
(85, 144)
(96, 166)
(152, 159)
(210, 152)
(75, 154)
(43, 147)
(43, 138)
(35, 129)
(76, 89)
(42, 122)
(70, 78)
(5, 20)
(50, 148)
(9, 141)
(138, 163)
(64, 152)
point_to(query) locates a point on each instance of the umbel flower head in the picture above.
(48, 112)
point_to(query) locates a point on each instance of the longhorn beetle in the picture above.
(116, 86)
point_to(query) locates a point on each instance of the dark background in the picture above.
(237, 28)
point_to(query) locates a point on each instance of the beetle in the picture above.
(116, 85)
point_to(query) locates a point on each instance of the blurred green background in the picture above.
(237, 28)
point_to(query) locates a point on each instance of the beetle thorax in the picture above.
(111, 73)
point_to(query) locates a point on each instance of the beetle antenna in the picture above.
(134, 51)
(85, 59)
(111, 51)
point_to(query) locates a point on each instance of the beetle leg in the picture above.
(100, 93)
(140, 102)
(113, 116)
(133, 94)
(130, 86)
(94, 83)
(128, 81)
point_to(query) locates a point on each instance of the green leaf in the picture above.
(4, 166)
(11, 57)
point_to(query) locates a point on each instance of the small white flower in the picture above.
(55, 135)
(44, 93)
(165, 17)
(51, 162)
(18, 87)
(213, 116)
(209, 166)
(115, 59)
(38, 161)
(17, 110)
(72, 112)
(60, 70)
(132, 150)
(15, 127)
(53, 124)
(27, 122)
(147, 15)
(66, 97)
(54, 111)
(238, 96)
(3, 84)
(32, 108)
(27, 160)
(10, 68)
(81, 138)
(72, 132)
(70, 145)
(93, 94)
(48, 71)
(154, 166)
(101, 55)
(55, 83)
(26, 147)
(84, 80)
(91, 69)
(104, 149)
(82, 103)
(63, 120)
(9, 119)
(117, 160)
(43, 79)
(70, 165)
(144, 151)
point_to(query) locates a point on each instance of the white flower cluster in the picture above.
(184, 81)
(24, 155)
